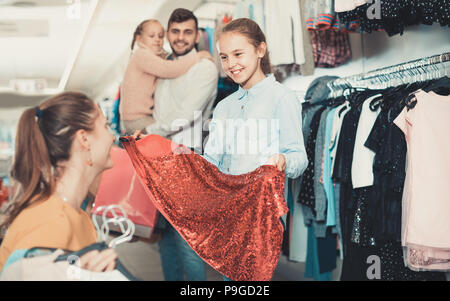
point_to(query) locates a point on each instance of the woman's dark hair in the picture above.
(139, 29)
(254, 34)
(44, 139)
(181, 15)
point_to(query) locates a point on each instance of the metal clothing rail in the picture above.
(412, 71)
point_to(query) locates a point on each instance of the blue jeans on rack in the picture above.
(179, 261)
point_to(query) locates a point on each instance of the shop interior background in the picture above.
(47, 46)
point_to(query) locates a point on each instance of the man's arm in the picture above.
(199, 92)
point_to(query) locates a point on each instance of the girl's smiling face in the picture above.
(240, 59)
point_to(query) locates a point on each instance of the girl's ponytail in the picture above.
(31, 169)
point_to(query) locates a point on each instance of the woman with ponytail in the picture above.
(62, 146)
(263, 118)
(145, 66)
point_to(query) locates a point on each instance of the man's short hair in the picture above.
(181, 15)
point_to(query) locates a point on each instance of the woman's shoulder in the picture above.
(45, 212)
(41, 224)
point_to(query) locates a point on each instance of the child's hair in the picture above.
(44, 139)
(254, 34)
(139, 30)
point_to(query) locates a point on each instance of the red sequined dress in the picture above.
(232, 222)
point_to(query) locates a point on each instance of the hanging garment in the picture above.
(307, 196)
(210, 38)
(347, 5)
(312, 265)
(339, 115)
(231, 222)
(308, 112)
(362, 173)
(388, 143)
(393, 16)
(320, 15)
(357, 223)
(318, 89)
(330, 48)
(319, 190)
(326, 178)
(392, 267)
(285, 48)
(326, 248)
(299, 238)
(308, 67)
(426, 190)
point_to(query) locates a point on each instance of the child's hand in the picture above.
(95, 261)
(279, 161)
(138, 134)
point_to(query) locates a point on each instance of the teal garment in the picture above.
(14, 257)
(290, 198)
(210, 32)
(312, 269)
(327, 181)
(20, 254)
(85, 204)
(251, 12)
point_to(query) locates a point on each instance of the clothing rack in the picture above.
(417, 70)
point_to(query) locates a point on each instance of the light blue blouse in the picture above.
(250, 126)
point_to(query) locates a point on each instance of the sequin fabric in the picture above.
(396, 15)
(307, 196)
(362, 233)
(231, 222)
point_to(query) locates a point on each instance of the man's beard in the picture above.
(182, 53)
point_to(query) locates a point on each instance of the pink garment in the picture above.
(139, 82)
(419, 258)
(426, 199)
(347, 5)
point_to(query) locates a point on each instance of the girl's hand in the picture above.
(279, 161)
(205, 55)
(138, 134)
(95, 261)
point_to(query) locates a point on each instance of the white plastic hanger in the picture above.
(114, 219)
(100, 234)
(119, 219)
(126, 236)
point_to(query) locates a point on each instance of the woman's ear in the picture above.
(82, 138)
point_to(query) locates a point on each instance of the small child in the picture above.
(261, 123)
(146, 65)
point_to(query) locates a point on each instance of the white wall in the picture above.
(376, 50)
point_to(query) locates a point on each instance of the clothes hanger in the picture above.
(114, 220)
(126, 236)
(100, 234)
